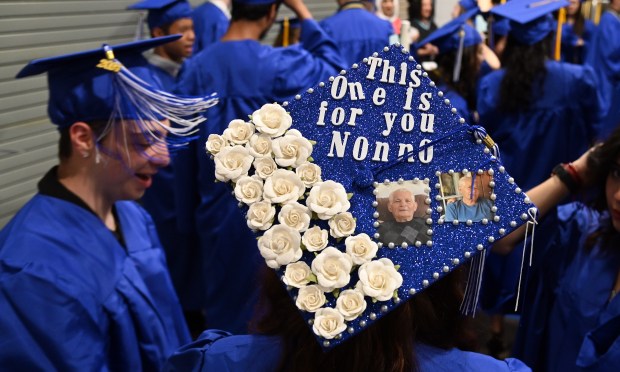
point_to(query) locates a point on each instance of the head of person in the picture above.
(528, 47)
(463, 6)
(604, 170)
(431, 317)
(387, 8)
(170, 17)
(421, 10)
(469, 192)
(402, 205)
(460, 75)
(107, 130)
(260, 11)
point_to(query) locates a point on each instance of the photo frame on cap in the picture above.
(310, 175)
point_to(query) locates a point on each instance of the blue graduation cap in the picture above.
(468, 4)
(317, 177)
(163, 12)
(530, 20)
(113, 83)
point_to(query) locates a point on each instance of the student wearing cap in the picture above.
(83, 279)
(603, 57)
(577, 33)
(458, 63)
(245, 74)
(571, 311)
(357, 32)
(533, 100)
(169, 17)
(175, 227)
(211, 20)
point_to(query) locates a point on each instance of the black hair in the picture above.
(525, 74)
(415, 9)
(64, 143)
(470, 67)
(250, 12)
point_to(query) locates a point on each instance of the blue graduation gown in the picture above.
(570, 51)
(358, 33)
(558, 127)
(72, 298)
(604, 57)
(260, 74)
(216, 350)
(567, 309)
(458, 102)
(210, 24)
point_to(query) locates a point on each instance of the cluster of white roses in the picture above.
(267, 145)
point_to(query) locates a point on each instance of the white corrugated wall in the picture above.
(32, 29)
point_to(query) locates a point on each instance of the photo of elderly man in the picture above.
(471, 206)
(404, 228)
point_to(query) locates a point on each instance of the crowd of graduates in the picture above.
(91, 280)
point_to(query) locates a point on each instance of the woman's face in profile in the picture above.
(612, 191)
(131, 156)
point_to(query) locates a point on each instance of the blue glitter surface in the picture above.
(453, 148)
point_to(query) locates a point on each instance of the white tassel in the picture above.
(456, 74)
(532, 221)
(469, 304)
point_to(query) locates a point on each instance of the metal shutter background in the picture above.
(32, 29)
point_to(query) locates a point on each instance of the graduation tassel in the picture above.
(152, 104)
(558, 34)
(474, 282)
(531, 222)
(597, 12)
(286, 27)
(456, 74)
(139, 33)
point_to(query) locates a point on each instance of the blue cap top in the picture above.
(530, 20)
(163, 12)
(468, 4)
(501, 26)
(447, 38)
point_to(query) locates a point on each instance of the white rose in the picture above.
(232, 162)
(272, 119)
(260, 215)
(292, 149)
(295, 215)
(328, 323)
(315, 239)
(215, 143)
(332, 269)
(284, 186)
(264, 167)
(238, 132)
(379, 279)
(260, 145)
(248, 189)
(341, 225)
(351, 304)
(361, 248)
(310, 298)
(328, 199)
(309, 173)
(298, 275)
(280, 245)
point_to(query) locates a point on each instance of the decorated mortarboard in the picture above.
(163, 12)
(530, 20)
(319, 179)
(112, 83)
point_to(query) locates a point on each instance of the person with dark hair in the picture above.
(533, 100)
(577, 33)
(357, 32)
(571, 313)
(458, 63)
(246, 74)
(421, 16)
(83, 279)
(211, 20)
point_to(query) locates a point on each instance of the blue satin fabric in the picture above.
(558, 127)
(604, 57)
(210, 24)
(216, 350)
(260, 74)
(358, 33)
(72, 298)
(568, 322)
